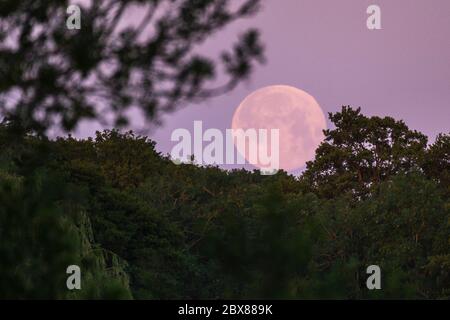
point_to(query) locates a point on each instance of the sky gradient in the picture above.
(324, 48)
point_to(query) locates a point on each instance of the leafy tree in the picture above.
(437, 161)
(361, 152)
(50, 75)
(402, 228)
(43, 229)
(121, 160)
(264, 248)
(142, 227)
(40, 237)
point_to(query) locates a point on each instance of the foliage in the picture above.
(361, 152)
(52, 76)
(140, 226)
(41, 236)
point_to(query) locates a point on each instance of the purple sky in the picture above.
(324, 48)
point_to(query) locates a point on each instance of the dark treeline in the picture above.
(142, 227)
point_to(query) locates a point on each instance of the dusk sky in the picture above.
(324, 48)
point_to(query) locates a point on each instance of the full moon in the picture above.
(296, 115)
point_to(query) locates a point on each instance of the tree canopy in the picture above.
(142, 227)
(361, 152)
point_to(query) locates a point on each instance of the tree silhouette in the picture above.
(362, 152)
(50, 75)
(437, 162)
(140, 226)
